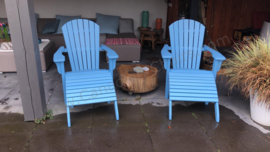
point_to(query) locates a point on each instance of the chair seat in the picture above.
(192, 85)
(86, 87)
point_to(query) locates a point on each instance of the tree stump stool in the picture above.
(137, 82)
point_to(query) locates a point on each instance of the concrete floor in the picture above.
(143, 124)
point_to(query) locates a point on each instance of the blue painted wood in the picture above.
(186, 82)
(217, 111)
(201, 37)
(170, 109)
(186, 29)
(86, 83)
(68, 117)
(82, 44)
(196, 58)
(77, 43)
(181, 41)
(190, 43)
(87, 45)
(167, 64)
(116, 110)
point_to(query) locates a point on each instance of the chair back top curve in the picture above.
(186, 43)
(82, 42)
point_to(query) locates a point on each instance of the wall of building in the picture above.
(224, 16)
(89, 8)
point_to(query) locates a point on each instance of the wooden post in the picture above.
(22, 23)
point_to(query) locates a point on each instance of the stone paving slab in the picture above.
(129, 114)
(236, 135)
(14, 141)
(184, 136)
(155, 114)
(60, 140)
(121, 138)
(207, 112)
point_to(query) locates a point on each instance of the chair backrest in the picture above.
(186, 43)
(82, 42)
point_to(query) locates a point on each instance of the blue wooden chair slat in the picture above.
(89, 93)
(181, 46)
(68, 45)
(201, 37)
(186, 28)
(192, 91)
(190, 43)
(196, 58)
(87, 45)
(92, 50)
(198, 88)
(88, 79)
(91, 101)
(83, 46)
(86, 83)
(70, 36)
(176, 40)
(97, 46)
(199, 99)
(78, 43)
(186, 82)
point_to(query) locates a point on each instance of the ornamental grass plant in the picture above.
(249, 69)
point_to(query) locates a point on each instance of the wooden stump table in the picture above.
(137, 82)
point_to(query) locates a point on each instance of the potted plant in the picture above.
(249, 70)
(5, 41)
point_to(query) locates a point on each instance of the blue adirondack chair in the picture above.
(86, 83)
(185, 81)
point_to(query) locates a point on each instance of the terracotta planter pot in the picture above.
(259, 111)
(158, 23)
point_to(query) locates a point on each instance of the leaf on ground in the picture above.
(104, 124)
(125, 99)
(138, 97)
(147, 130)
(268, 137)
(169, 127)
(12, 131)
(193, 114)
(146, 124)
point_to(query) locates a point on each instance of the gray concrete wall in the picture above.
(89, 8)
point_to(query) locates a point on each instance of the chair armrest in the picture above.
(59, 59)
(111, 55)
(167, 56)
(216, 55)
(218, 59)
(165, 52)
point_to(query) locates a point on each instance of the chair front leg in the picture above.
(116, 110)
(68, 117)
(217, 111)
(167, 86)
(170, 110)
